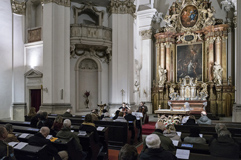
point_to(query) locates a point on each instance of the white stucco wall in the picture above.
(6, 58)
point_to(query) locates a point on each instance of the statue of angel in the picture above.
(162, 76)
(217, 73)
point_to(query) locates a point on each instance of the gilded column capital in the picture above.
(122, 7)
(65, 3)
(146, 34)
(211, 40)
(157, 45)
(218, 39)
(162, 45)
(18, 7)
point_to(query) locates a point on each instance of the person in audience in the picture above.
(204, 118)
(39, 139)
(166, 142)
(44, 121)
(224, 145)
(171, 133)
(128, 152)
(67, 113)
(143, 109)
(116, 114)
(6, 151)
(94, 114)
(129, 117)
(186, 117)
(32, 112)
(106, 117)
(194, 136)
(89, 127)
(191, 121)
(65, 133)
(34, 120)
(58, 123)
(11, 137)
(120, 118)
(155, 150)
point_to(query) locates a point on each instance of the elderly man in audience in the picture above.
(224, 146)
(120, 118)
(166, 142)
(39, 139)
(89, 127)
(6, 151)
(65, 133)
(67, 113)
(204, 118)
(11, 137)
(155, 151)
(106, 117)
(194, 136)
(128, 152)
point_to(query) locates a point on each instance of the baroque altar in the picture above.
(191, 53)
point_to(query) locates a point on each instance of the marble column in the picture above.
(121, 68)
(162, 58)
(224, 60)
(56, 58)
(158, 59)
(19, 104)
(218, 50)
(168, 60)
(211, 58)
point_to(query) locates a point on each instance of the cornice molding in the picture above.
(122, 7)
(65, 3)
(18, 7)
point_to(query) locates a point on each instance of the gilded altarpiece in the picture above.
(193, 43)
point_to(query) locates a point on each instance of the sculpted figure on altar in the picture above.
(162, 75)
(217, 74)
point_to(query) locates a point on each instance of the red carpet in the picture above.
(113, 154)
(148, 128)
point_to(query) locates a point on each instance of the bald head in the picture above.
(44, 131)
(160, 125)
(203, 113)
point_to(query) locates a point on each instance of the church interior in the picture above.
(161, 62)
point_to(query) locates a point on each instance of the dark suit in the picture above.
(6, 151)
(39, 140)
(130, 117)
(156, 153)
(89, 129)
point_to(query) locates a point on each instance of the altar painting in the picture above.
(189, 60)
(189, 16)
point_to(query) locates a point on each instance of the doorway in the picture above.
(35, 96)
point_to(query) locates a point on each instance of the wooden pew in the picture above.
(16, 123)
(196, 156)
(30, 152)
(197, 148)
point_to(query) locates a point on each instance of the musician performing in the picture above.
(143, 109)
(124, 108)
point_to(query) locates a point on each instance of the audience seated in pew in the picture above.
(58, 123)
(204, 119)
(94, 114)
(65, 133)
(6, 151)
(194, 136)
(89, 127)
(32, 112)
(154, 150)
(191, 121)
(224, 145)
(120, 118)
(34, 120)
(106, 117)
(39, 139)
(128, 152)
(130, 117)
(67, 113)
(171, 133)
(11, 137)
(44, 121)
(166, 143)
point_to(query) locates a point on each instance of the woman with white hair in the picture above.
(155, 151)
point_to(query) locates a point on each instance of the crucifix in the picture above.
(122, 93)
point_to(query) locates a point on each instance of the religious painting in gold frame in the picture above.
(189, 61)
(189, 16)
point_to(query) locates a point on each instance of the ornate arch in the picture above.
(77, 73)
